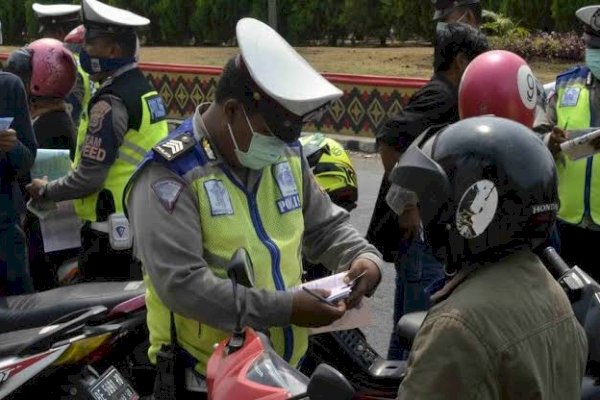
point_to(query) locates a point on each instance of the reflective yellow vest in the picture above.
(578, 181)
(273, 225)
(83, 118)
(149, 129)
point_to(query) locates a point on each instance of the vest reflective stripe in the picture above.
(131, 152)
(272, 234)
(579, 181)
(83, 118)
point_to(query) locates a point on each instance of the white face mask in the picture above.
(263, 150)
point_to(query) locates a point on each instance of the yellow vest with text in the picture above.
(268, 223)
(83, 117)
(136, 142)
(578, 181)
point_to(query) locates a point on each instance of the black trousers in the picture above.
(15, 277)
(99, 262)
(578, 247)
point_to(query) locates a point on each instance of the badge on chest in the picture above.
(290, 200)
(571, 97)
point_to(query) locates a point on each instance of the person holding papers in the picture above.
(17, 153)
(572, 109)
(234, 176)
(126, 118)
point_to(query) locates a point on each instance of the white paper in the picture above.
(5, 123)
(358, 317)
(61, 228)
(579, 147)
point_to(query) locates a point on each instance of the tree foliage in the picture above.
(331, 22)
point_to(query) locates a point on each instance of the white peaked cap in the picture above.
(100, 13)
(280, 71)
(590, 15)
(54, 10)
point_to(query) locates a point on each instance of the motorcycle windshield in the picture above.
(271, 370)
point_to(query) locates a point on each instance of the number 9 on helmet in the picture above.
(499, 83)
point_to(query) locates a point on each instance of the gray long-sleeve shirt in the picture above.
(108, 123)
(169, 243)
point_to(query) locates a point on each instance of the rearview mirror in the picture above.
(240, 269)
(326, 383)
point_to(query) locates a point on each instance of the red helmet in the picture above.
(500, 83)
(46, 67)
(76, 35)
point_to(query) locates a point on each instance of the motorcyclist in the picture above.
(501, 326)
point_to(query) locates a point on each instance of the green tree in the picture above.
(563, 13)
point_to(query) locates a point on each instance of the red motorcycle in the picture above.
(86, 341)
(245, 366)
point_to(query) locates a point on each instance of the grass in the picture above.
(391, 61)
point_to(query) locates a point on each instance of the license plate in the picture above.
(112, 386)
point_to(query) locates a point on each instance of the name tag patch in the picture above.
(571, 97)
(218, 197)
(289, 203)
(290, 199)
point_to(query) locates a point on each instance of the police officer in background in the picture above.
(572, 109)
(56, 20)
(234, 176)
(127, 118)
(466, 11)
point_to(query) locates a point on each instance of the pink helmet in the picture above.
(46, 67)
(76, 36)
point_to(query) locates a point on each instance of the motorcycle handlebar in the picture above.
(556, 265)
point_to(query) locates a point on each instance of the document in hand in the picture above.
(358, 317)
(579, 147)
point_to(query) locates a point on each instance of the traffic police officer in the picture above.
(233, 176)
(56, 20)
(572, 109)
(127, 118)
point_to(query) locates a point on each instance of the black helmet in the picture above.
(487, 186)
(445, 7)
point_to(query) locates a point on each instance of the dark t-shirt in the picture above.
(435, 103)
(55, 130)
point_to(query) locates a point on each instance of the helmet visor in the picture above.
(417, 172)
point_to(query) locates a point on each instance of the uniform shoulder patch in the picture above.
(173, 148)
(167, 191)
(158, 111)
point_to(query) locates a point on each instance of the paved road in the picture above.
(370, 171)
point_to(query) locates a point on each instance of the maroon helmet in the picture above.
(46, 68)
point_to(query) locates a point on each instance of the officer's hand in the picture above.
(36, 186)
(410, 222)
(595, 143)
(557, 137)
(309, 311)
(366, 284)
(8, 140)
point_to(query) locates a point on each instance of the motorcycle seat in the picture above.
(40, 309)
(409, 326)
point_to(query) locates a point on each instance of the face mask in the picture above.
(96, 65)
(263, 150)
(592, 61)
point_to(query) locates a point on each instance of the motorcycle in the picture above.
(245, 366)
(86, 341)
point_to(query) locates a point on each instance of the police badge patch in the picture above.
(158, 111)
(173, 148)
(571, 97)
(290, 199)
(218, 197)
(167, 191)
